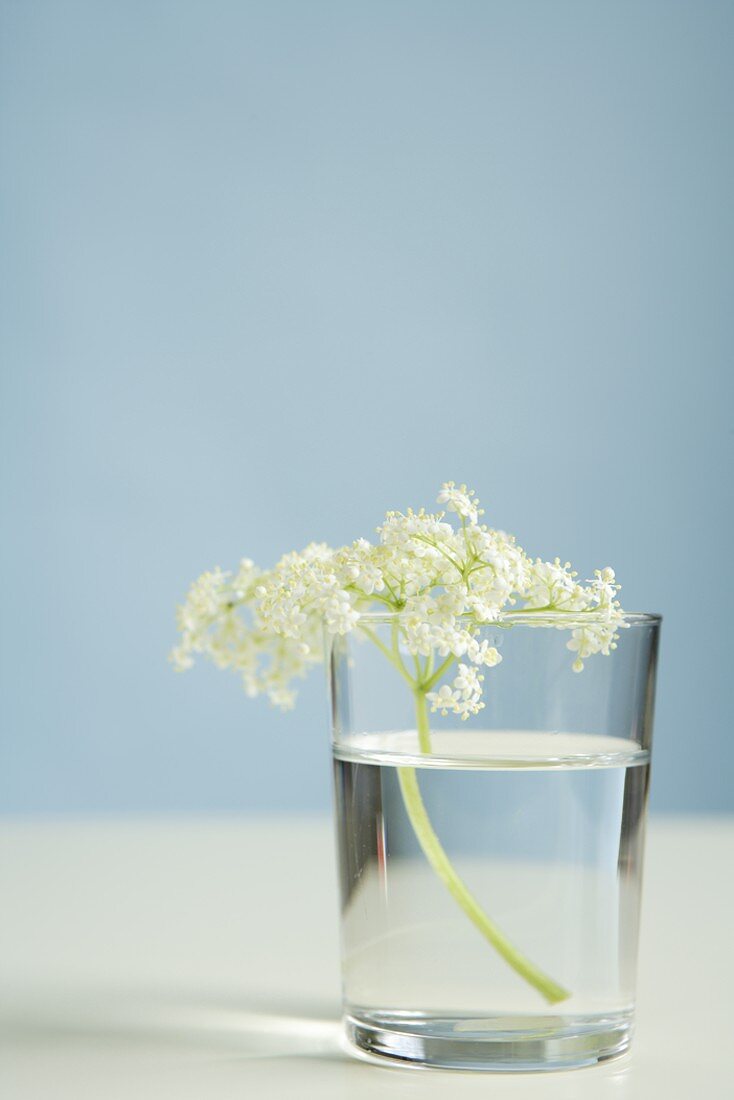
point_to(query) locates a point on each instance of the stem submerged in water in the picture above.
(441, 864)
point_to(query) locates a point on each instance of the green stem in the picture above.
(421, 721)
(435, 677)
(391, 658)
(441, 864)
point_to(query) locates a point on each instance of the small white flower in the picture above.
(339, 615)
(484, 612)
(443, 700)
(459, 500)
(468, 682)
(482, 653)
(591, 639)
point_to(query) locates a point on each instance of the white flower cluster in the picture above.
(464, 695)
(440, 580)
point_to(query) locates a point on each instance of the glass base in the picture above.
(499, 1043)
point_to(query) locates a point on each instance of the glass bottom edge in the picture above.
(502, 1044)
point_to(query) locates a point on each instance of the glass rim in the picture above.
(535, 618)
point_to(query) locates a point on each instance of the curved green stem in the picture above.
(428, 840)
(441, 864)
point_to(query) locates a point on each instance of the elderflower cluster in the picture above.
(440, 578)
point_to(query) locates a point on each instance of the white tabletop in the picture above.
(199, 958)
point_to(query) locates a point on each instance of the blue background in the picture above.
(269, 269)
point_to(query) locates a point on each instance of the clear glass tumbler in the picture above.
(490, 870)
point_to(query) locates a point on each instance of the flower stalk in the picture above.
(426, 835)
(445, 870)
